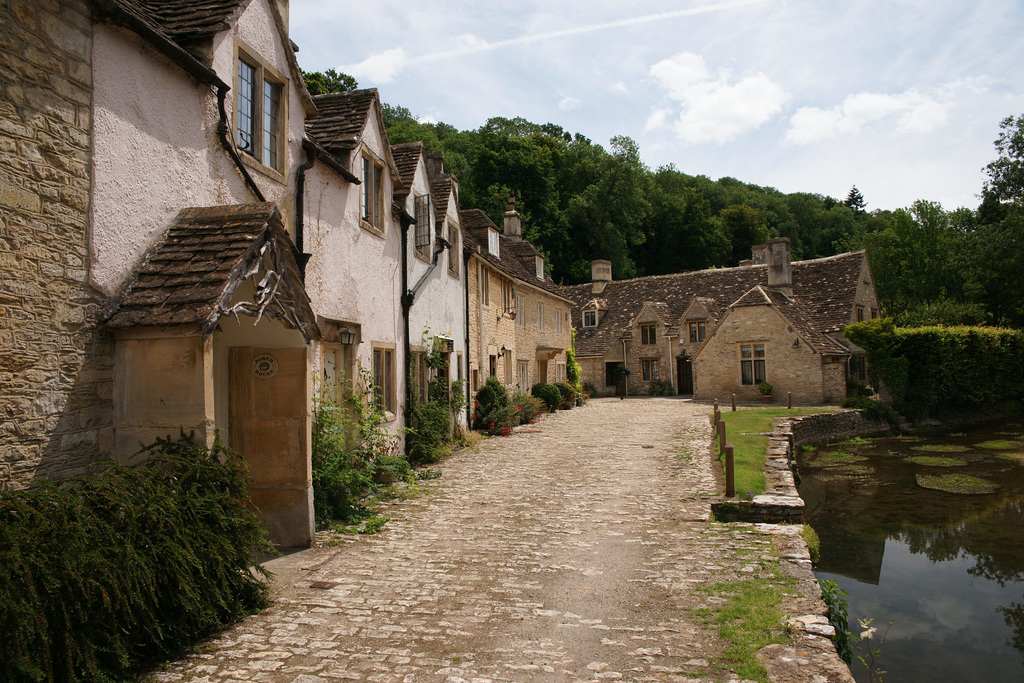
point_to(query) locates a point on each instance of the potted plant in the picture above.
(766, 392)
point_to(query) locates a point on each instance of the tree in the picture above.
(855, 200)
(324, 82)
(1006, 174)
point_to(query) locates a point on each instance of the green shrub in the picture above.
(100, 576)
(528, 407)
(567, 394)
(549, 394)
(660, 387)
(429, 431)
(500, 421)
(589, 389)
(500, 392)
(872, 409)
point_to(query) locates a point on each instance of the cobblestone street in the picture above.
(568, 551)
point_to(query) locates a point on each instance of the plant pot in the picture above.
(768, 398)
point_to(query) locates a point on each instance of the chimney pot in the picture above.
(780, 270)
(513, 222)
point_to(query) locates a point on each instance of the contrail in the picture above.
(590, 28)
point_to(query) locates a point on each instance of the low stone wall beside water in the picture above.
(826, 427)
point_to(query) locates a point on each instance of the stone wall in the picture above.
(790, 364)
(55, 362)
(826, 427)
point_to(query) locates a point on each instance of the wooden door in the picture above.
(685, 371)
(269, 426)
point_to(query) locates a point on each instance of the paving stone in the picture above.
(566, 553)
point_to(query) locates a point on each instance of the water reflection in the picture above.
(946, 568)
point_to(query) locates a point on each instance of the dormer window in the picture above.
(649, 333)
(422, 208)
(698, 330)
(589, 318)
(492, 243)
(259, 111)
(539, 264)
(372, 196)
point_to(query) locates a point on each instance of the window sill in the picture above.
(421, 256)
(260, 167)
(389, 416)
(370, 227)
(454, 275)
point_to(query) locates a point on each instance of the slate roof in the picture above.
(191, 276)
(185, 21)
(407, 156)
(441, 190)
(823, 290)
(341, 120)
(516, 257)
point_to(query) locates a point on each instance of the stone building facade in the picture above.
(519, 321)
(55, 360)
(716, 332)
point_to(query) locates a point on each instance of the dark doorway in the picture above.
(685, 370)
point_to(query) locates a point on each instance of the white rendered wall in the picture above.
(354, 275)
(155, 143)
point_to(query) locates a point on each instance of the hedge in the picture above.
(102, 575)
(937, 370)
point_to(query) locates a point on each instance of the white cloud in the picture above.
(712, 108)
(570, 103)
(909, 111)
(619, 87)
(379, 68)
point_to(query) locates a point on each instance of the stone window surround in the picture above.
(756, 362)
(698, 330)
(421, 209)
(455, 251)
(649, 369)
(263, 72)
(384, 377)
(372, 215)
(648, 333)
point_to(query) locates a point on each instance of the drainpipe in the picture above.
(300, 193)
(407, 299)
(225, 141)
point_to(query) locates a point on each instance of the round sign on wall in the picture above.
(264, 366)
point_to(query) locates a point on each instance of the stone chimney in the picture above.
(600, 274)
(759, 255)
(435, 164)
(513, 222)
(780, 271)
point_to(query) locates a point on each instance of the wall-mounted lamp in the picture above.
(346, 336)
(503, 350)
(796, 343)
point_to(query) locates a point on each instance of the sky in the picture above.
(902, 98)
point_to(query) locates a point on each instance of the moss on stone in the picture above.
(936, 461)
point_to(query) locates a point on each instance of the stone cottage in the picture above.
(519, 319)
(188, 239)
(717, 332)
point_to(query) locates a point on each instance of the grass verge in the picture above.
(749, 620)
(747, 429)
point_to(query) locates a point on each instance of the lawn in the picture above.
(747, 429)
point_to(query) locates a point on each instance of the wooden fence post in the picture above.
(734, 403)
(730, 475)
(721, 436)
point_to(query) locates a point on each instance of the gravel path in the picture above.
(568, 551)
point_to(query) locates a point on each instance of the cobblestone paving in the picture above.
(566, 552)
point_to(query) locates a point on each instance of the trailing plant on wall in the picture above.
(352, 446)
(660, 387)
(433, 424)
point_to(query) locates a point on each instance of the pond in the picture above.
(927, 532)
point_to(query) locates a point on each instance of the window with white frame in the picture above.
(454, 252)
(524, 374)
(560, 375)
(649, 369)
(540, 316)
(492, 243)
(372, 194)
(422, 208)
(521, 310)
(384, 379)
(649, 333)
(558, 321)
(259, 113)
(507, 293)
(589, 318)
(752, 371)
(539, 266)
(698, 330)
